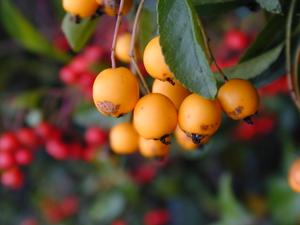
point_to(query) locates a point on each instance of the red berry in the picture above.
(28, 138)
(7, 160)
(47, 131)
(276, 87)
(95, 136)
(8, 142)
(23, 156)
(93, 53)
(236, 40)
(69, 206)
(157, 217)
(88, 154)
(29, 221)
(12, 178)
(144, 173)
(61, 43)
(68, 75)
(57, 149)
(75, 151)
(79, 64)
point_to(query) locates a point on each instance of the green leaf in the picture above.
(78, 34)
(268, 38)
(147, 28)
(272, 6)
(18, 27)
(256, 66)
(183, 46)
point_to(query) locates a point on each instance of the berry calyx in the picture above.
(115, 91)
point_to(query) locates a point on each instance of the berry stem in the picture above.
(132, 46)
(118, 22)
(292, 74)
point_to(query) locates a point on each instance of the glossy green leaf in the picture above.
(183, 46)
(147, 28)
(18, 27)
(273, 6)
(78, 34)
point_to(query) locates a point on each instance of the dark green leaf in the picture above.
(147, 28)
(256, 66)
(78, 34)
(182, 44)
(17, 26)
(268, 38)
(272, 6)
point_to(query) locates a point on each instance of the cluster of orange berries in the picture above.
(90, 8)
(169, 108)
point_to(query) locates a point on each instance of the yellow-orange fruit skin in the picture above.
(238, 98)
(186, 142)
(124, 139)
(115, 91)
(176, 93)
(111, 7)
(154, 61)
(154, 116)
(198, 115)
(294, 176)
(123, 47)
(82, 8)
(152, 148)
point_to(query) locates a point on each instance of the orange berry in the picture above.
(238, 98)
(294, 176)
(81, 8)
(111, 7)
(152, 148)
(115, 91)
(154, 116)
(154, 61)
(123, 47)
(176, 93)
(123, 139)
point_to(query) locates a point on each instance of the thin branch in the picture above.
(292, 75)
(118, 22)
(132, 46)
(216, 64)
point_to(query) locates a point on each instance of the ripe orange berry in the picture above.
(123, 47)
(155, 116)
(152, 148)
(123, 139)
(238, 98)
(199, 116)
(81, 8)
(186, 142)
(115, 91)
(294, 176)
(154, 61)
(111, 7)
(176, 93)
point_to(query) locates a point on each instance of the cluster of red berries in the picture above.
(79, 72)
(18, 149)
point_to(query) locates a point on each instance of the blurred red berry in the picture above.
(79, 64)
(95, 136)
(88, 153)
(68, 75)
(7, 160)
(57, 149)
(224, 63)
(69, 206)
(8, 142)
(236, 40)
(75, 151)
(12, 178)
(278, 86)
(47, 131)
(93, 53)
(61, 43)
(23, 156)
(144, 173)
(86, 82)
(29, 221)
(119, 222)
(28, 138)
(157, 217)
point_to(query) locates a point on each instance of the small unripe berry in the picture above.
(152, 148)
(238, 98)
(199, 116)
(123, 139)
(154, 61)
(155, 116)
(115, 91)
(82, 8)
(175, 92)
(123, 47)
